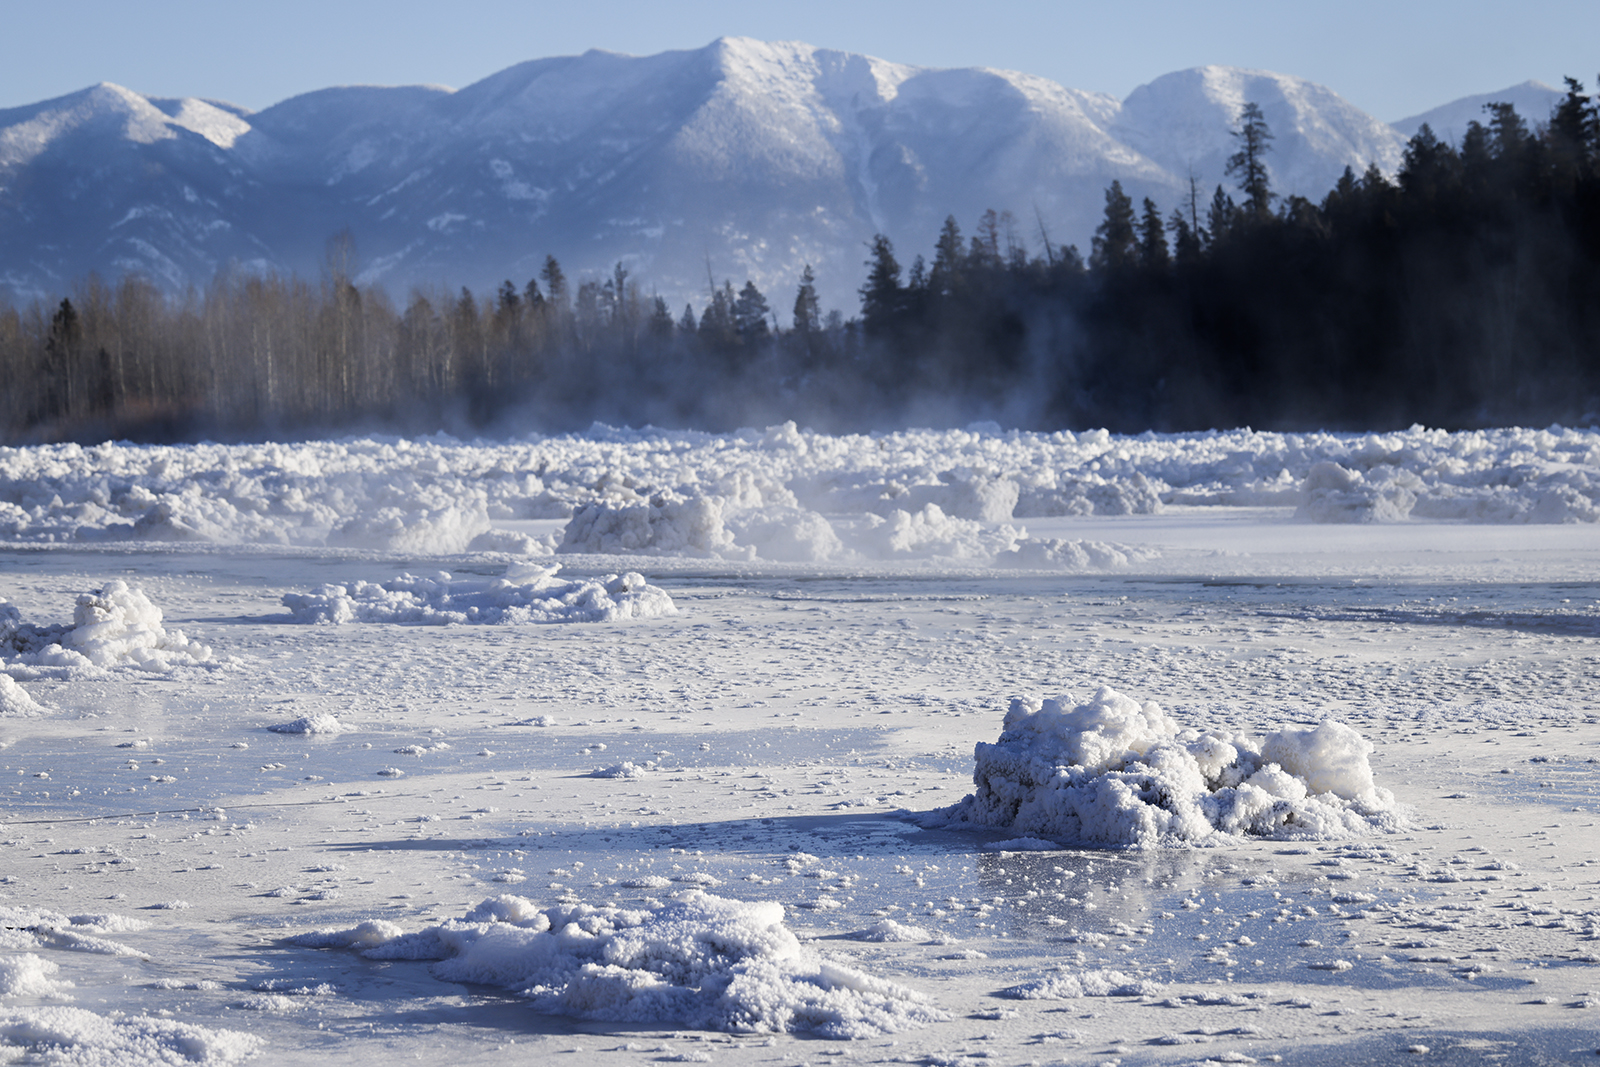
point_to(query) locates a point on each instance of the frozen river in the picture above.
(746, 775)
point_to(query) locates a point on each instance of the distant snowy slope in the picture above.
(748, 157)
(1532, 99)
(1184, 120)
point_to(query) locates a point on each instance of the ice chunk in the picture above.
(115, 627)
(700, 961)
(1114, 772)
(669, 524)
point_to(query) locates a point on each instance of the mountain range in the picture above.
(742, 159)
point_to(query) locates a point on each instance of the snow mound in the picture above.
(79, 1037)
(1065, 985)
(786, 535)
(14, 700)
(312, 724)
(1079, 494)
(668, 524)
(622, 770)
(930, 533)
(28, 975)
(1053, 553)
(887, 930)
(524, 594)
(1117, 773)
(700, 961)
(414, 531)
(115, 627)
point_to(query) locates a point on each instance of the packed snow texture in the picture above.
(524, 594)
(115, 627)
(699, 961)
(782, 494)
(1114, 772)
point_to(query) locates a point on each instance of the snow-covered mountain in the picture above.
(1532, 99)
(741, 159)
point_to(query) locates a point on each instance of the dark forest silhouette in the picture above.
(1466, 292)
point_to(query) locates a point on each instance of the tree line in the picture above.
(1463, 291)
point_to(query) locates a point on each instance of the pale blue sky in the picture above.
(1393, 58)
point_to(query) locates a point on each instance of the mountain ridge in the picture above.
(745, 158)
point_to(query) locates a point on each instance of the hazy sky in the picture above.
(1394, 58)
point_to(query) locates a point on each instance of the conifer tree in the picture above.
(807, 308)
(750, 313)
(1153, 251)
(882, 296)
(1249, 163)
(1115, 245)
(1220, 216)
(948, 257)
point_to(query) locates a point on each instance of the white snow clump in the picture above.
(14, 700)
(320, 723)
(699, 961)
(115, 627)
(668, 524)
(526, 593)
(1053, 553)
(28, 975)
(1117, 773)
(1066, 985)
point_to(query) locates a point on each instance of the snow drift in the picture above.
(1117, 773)
(700, 961)
(524, 594)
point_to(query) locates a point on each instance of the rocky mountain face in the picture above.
(743, 159)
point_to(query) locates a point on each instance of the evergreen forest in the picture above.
(1463, 291)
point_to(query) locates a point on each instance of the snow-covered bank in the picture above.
(781, 494)
(699, 961)
(1120, 773)
(524, 594)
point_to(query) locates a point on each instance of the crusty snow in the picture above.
(928, 747)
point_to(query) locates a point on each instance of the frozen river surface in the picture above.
(684, 816)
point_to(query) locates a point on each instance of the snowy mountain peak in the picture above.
(1184, 121)
(761, 156)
